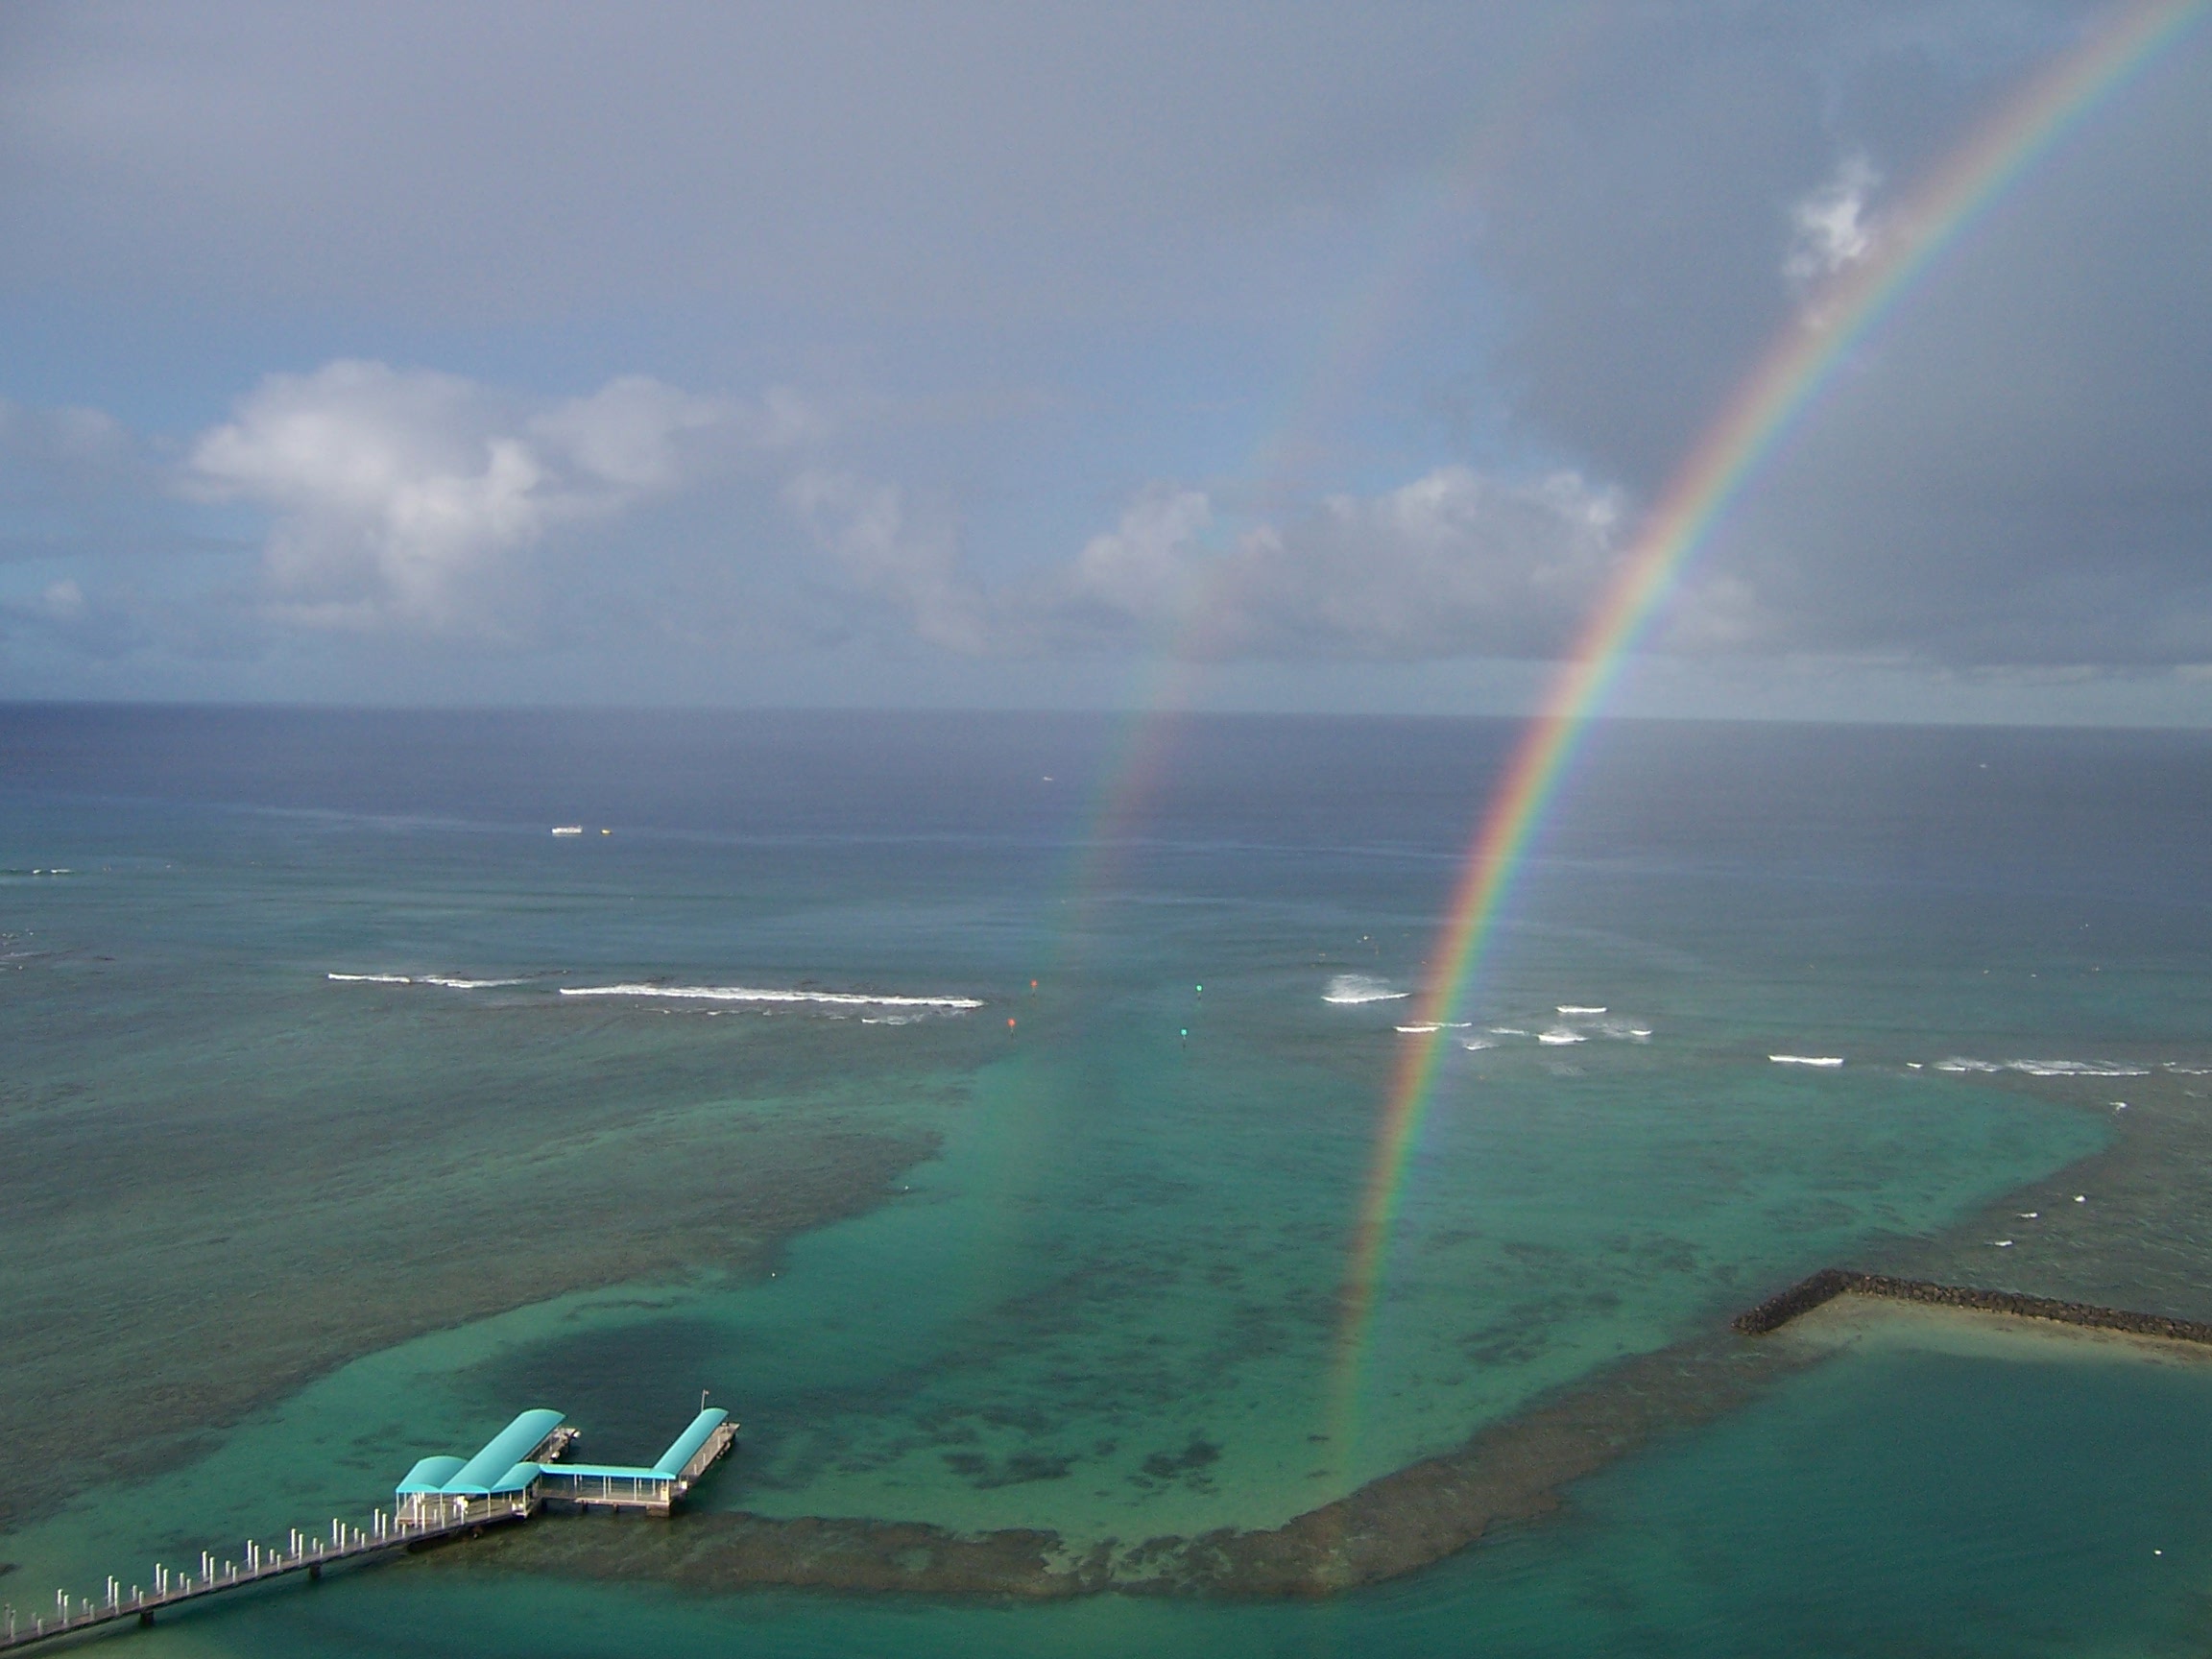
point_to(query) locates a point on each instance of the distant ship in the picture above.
(568, 828)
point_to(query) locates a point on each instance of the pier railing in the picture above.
(302, 1553)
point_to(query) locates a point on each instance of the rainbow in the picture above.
(1169, 682)
(1765, 408)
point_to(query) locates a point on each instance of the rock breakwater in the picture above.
(1830, 1283)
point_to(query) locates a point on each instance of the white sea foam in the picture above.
(2181, 1071)
(1620, 1031)
(1570, 1008)
(1473, 1043)
(1806, 1059)
(1427, 1026)
(1508, 1031)
(1559, 1034)
(2047, 1067)
(769, 993)
(448, 982)
(1361, 988)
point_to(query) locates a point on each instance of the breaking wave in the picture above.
(770, 993)
(1361, 988)
(1806, 1059)
(448, 982)
(1559, 1034)
(2047, 1067)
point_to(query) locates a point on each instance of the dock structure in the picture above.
(515, 1473)
(519, 1464)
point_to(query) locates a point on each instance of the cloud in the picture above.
(883, 554)
(1453, 563)
(972, 157)
(408, 500)
(74, 480)
(55, 445)
(104, 626)
(1145, 574)
(1830, 232)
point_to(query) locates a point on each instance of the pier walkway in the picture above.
(302, 1553)
(511, 1478)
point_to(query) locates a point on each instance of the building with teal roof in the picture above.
(518, 1468)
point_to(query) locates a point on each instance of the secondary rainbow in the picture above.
(1169, 681)
(1759, 415)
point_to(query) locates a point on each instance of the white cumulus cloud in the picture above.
(887, 554)
(1830, 230)
(1456, 562)
(406, 498)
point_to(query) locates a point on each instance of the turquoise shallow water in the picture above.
(278, 1234)
(1894, 1503)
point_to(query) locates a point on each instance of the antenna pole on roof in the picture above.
(702, 1399)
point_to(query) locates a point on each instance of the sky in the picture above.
(1045, 355)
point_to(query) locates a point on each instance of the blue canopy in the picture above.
(688, 1442)
(486, 1473)
(429, 1476)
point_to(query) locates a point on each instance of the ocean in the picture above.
(977, 1106)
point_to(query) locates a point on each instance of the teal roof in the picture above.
(688, 1442)
(429, 1476)
(482, 1473)
(515, 1479)
(602, 1472)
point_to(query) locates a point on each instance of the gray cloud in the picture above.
(1017, 248)
(76, 481)
(467, 160)
(2012, 470)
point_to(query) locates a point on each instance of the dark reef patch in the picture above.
(1016, 1469)
(1390, 1527)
